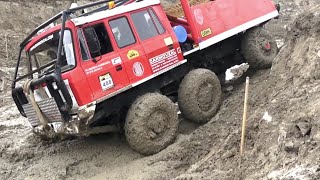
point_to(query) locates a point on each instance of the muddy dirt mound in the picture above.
(299, 60)
(174, 8)
(283, 129)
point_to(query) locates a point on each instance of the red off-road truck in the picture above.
(122, 63)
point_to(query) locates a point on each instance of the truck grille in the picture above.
(49, 109)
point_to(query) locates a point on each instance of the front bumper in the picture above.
(77, 126)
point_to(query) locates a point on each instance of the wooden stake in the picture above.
(244, 118)
(243, 129)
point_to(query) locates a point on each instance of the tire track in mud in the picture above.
(69, 159)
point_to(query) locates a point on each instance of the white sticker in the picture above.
(168, 41)
(41, 42)
(97, 68)
(179, 50)
(116, 61)
(164, 60)
(106, 82)
(198, 15)
(138, 69)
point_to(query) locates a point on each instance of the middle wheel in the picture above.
(199, 95)
(151, 124)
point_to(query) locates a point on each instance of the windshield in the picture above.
(45, 52)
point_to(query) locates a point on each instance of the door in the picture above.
(131, 52)
(162, 50)
(101, 63)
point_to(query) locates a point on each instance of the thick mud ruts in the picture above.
(199, 95)
(259, 48)
(151, 124)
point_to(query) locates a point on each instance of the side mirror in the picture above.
(92, 40)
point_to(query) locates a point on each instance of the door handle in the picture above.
(170, 46)
(118, 68)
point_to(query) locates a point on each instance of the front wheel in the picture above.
(151, 124)
(199, 95)
(259, 48)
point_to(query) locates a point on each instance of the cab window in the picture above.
(159, 26)
(83, 47)
(45, 52)
(122, 32)
(97, 39)
(147, 24)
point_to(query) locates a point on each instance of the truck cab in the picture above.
(101, 57)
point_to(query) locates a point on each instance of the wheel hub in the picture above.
(264, 44)
(267, 46)
(157, 124)
(205, 96)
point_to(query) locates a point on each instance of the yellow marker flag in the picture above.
(111, 4)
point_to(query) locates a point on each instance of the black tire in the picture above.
(199, 95)
(259, 48)
(151, 124)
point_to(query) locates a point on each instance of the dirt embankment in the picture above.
(286, 144)
(283, 145)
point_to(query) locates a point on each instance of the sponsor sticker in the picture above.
(198, 15)
(116, 61)
(132, 54)
(138, 69)
(96, 68)
(179, 50)
(164, 60)
(206, 32)
(106, 82)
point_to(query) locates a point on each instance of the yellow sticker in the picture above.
(132, 54)
(206, 32)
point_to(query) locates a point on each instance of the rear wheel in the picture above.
(259, 48)
(199, 95)
(151, 124)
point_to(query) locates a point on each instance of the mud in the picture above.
(285, 145)
(174, 8)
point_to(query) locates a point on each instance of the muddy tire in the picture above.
(259, 48)
(199, 95)
(151, 124)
